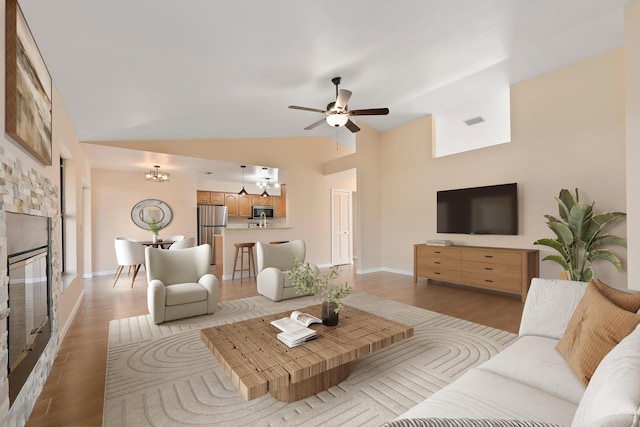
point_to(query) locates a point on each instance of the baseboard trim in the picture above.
(76, 307)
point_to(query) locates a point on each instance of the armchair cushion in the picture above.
(183, 293)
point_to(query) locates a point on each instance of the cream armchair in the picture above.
(273, 263)
(180, 284)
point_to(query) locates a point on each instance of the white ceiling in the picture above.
(165, 69)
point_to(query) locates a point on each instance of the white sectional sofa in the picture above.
(531, 384)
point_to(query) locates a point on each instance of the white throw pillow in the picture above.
(612, 397)
(549, 306)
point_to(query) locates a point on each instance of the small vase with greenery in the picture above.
(308, 280)
(579, 236)
(155, 228)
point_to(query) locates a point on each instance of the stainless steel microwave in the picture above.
(256, 211)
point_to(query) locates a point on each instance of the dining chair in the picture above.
(188, 242)
(175, 238)
(130, 254)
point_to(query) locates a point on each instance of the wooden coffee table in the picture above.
(258, 362)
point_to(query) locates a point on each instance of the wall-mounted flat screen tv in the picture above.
(479, 210)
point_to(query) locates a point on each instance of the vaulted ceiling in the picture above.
(165, 69)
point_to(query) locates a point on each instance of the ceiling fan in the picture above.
(337, 112)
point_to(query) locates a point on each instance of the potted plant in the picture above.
(579, 236)
(308, 280)
(155, 228)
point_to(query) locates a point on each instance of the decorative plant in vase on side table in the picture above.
(155, 228)
(307, 281)
(579, 238)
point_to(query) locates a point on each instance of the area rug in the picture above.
(163, 375)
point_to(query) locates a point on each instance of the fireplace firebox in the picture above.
(29, 325)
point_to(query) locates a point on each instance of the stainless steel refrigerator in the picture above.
(211, 220)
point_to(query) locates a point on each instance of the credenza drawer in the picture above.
(491, 282)
(438, 252)
(511, 271)
(493, 256)
(446, 263)
(441, 274)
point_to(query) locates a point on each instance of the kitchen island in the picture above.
(231, 236)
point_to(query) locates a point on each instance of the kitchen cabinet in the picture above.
(257, 199)
(217, 198)
(283, 200)
(276, 202)
(244, 206)
(499, 269)
(240, 206)
(203, 197)
(231, 202)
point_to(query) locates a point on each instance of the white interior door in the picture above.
(341, 223)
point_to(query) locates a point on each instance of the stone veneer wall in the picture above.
(26, 191)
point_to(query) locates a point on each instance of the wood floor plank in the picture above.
(74, 392)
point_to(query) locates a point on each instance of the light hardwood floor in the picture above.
(74, 392)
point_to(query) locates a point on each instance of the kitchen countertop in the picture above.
(256, 228)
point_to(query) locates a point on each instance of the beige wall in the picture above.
(114, 195)
(308, 190)
(568, 131)
(632, 68)
(67, 146)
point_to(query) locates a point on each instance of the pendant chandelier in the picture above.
(266, 183)
(243, 192)
(264, 193)
(156, 175)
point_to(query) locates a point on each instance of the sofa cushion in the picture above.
(596, 326)
(613, 396)
(536, 362)
(183, 293)
(464, 422)
(548, 307)
(483, 394)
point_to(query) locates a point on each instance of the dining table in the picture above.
(159, 244)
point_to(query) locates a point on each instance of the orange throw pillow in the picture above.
(630, 302)
(596, 326)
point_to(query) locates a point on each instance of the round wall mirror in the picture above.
(147, 210)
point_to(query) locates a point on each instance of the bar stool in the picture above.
(241, 249)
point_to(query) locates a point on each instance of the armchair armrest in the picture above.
(156, 297)
(210, 283)
(271, 282)
(549, 306)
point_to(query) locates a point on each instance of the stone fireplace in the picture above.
(29, 327)
(26, 192)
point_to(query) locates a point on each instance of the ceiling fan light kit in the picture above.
(337, 112)
(337, 119)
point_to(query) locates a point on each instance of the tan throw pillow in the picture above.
(594, 329)
(630, 302)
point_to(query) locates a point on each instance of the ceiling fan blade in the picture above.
(315, 110)
(352, 126)
(343, 99)
(315, 124)
(370, 112)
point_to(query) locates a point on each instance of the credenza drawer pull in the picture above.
(488, 256)
(489, 268)
(436, 262)
(436, 252)
(436, 272)
(488, 280)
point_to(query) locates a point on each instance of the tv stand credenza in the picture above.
(498, 269)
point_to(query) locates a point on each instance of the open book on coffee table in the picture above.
(295, 330)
